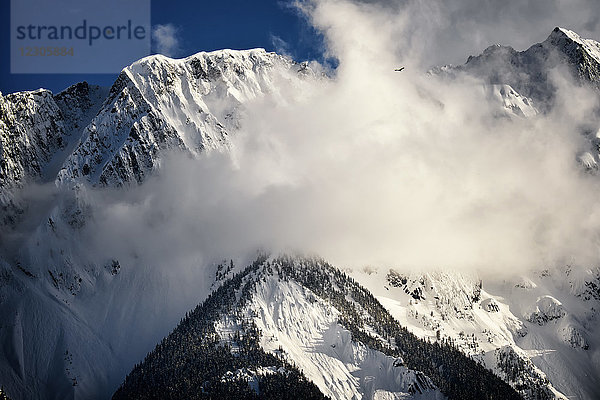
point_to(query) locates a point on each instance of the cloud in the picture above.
(451, 30)
(371, 167)
(166, 40)
(468, 26)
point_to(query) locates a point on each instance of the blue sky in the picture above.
(200, 26)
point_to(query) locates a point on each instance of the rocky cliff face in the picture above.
(37, 128)
(32, 130)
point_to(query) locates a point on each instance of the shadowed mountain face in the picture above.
(38, 130)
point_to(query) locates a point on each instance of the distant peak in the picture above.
(573, 45)
(77, 87)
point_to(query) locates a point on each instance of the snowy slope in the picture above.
(306, 327)
(512, 102)
(545, 325)
(67, 333)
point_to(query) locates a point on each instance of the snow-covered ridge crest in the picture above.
(242, 74)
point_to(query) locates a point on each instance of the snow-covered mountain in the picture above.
(73, 324)
(525, 83)
(283, 321)
(39, 130)
(159, 104)
(529, 72)
(115, 136)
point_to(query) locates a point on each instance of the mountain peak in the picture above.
(559, 32)
(495, 50)
(159, 103)
(583, 54)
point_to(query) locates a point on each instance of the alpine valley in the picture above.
(78, 323)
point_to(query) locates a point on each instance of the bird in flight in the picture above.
(399, 69)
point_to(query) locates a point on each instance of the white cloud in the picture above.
(448, 31)
(376, 167)
(372, 167)
(166, 40)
